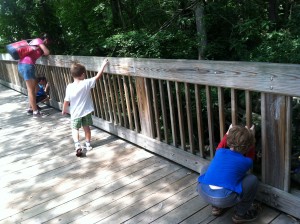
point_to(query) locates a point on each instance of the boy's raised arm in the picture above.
(100, 73)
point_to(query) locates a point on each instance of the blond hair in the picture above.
(77, 69)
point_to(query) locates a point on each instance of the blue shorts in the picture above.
(27, 71)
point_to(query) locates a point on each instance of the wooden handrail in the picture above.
(180, 109)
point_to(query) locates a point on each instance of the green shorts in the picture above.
(82, 121)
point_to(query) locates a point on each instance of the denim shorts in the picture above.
(27, 71)
(82, 121)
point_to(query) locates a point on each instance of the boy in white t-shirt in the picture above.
(78, 98)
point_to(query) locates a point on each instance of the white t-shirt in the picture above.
(79, 96)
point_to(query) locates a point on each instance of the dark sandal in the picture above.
(79, 152)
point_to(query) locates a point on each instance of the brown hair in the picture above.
(240, 139)
(77, 69)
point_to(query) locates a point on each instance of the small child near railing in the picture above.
(226, 182)
(80, 103)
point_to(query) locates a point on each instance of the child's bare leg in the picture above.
(75, 135)
(87, 132)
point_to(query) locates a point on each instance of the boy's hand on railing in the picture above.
(105, 61)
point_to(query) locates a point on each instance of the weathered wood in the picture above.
(163, 110)
(145, 114)
(148, 202)
(107, 97)
(221, 111)
(105, 209)
(104, 99)
(180, 203)
(183, 211)
(234, 108)
(248, 99)
(199, 121)
(181, 127)
(124, 121)
(210, 121)
(134, 104)
(99, 99)
(254, 76)
(111, 99)
(117, 101)
(172, 114)
(182, 157)
(127, 100)
(274, 149)
(279, 199)
(189, 118)
(173, 73)
(155, 108)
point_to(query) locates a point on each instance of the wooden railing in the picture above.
(180, 109)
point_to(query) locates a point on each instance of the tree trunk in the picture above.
(201, 31)
(117, 15)
(273, 10)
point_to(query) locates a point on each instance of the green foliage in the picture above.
(278, 46)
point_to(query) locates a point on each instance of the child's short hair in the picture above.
(77, 69)
(240, 139)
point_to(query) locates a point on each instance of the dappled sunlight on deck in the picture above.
(42, 181)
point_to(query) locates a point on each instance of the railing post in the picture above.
(276, 144)
(145, 112)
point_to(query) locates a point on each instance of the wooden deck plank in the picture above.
(117, 196)
(41, 191)
(202, 216)
(63, 196)
(85, 194)
(41, 180)
(132, 198)
(283, 219)
(168, 206)
(136, 208)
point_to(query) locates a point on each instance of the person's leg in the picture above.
(75, 125)
(243, 212)
(30, 84)
(87, 121)
(27, 71)
(87, 133)
(250, 186)
(75, 135)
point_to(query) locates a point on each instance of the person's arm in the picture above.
(100, 73)
(223, 142)
(46, 89)
(251, 153)
(65, 107)
(45, 49)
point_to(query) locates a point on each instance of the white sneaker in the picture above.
(39, 114)
(78, 150)
(77, 146)
(88, 147)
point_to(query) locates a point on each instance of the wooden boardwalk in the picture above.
(42, 181)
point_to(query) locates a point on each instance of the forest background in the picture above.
(233, 30)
